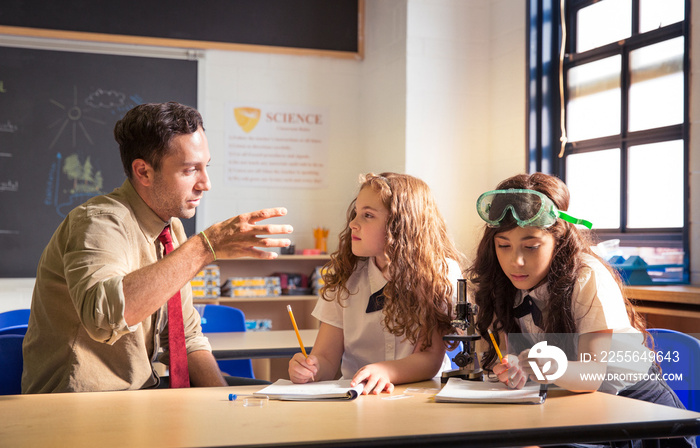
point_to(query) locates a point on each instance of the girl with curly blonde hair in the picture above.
(388, 290)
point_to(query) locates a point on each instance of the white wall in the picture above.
(15, 293)
(383, 94)
(259, 78)
(465, 121)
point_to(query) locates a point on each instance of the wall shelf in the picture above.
(274, 307)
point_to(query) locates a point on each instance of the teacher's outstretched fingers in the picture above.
(241, 236)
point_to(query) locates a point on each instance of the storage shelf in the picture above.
(272, 307)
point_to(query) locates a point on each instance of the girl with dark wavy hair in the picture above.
(388, 290)
(537, 280)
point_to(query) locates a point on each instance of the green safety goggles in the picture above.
(529, 208)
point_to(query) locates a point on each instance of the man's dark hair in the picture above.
(145, 132)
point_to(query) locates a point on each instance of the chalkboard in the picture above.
(57, 148)
(312, 24)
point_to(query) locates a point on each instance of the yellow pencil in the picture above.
(498, 351)
(294, 323)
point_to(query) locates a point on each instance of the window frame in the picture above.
(544, 101)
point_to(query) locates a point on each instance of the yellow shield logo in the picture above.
(246, 117)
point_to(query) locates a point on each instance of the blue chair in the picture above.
(685, 362)
(11, 363)
(14, 322)
(220, 319)
(15, 329)
(13, 318)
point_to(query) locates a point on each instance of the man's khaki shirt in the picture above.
(77, 338)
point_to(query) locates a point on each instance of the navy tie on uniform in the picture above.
(376, 301)
(529, 307)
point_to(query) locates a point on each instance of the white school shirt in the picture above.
(366, 341)
(597, 304)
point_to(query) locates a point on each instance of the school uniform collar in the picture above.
(376, 277)
(538, 295)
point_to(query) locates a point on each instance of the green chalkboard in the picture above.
(57, 148)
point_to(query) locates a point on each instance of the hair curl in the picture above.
(418, 292)
(495, 293)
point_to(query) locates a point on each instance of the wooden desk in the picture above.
(204, 417)
(260, 344)
(673, 306)
(676, 297)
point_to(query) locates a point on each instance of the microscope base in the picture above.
(465, 374)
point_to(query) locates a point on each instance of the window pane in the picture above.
(593, 179)
(654, 14)
(593, 109)
(602, 23)
(656, 89)
(655, 188)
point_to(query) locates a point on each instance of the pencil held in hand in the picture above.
(296, 330)
(498, 351)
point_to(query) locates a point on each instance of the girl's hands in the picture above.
(510, 372)
(376, 379)
(303, 370)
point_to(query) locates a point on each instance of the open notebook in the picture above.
(321, 390)
(465, 391)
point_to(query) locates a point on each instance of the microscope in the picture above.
(467, 359)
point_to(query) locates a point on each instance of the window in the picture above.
(608, 114)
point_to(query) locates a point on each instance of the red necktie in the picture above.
(179, 375)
